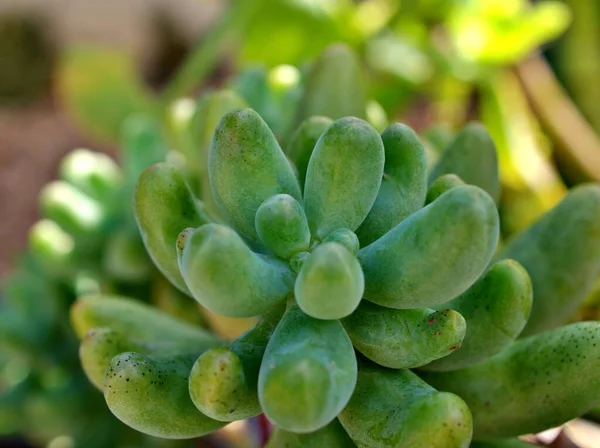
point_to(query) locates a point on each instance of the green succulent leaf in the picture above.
(136, 321)
(282, 226)
(94, 174)
(536, 383)
(496, 309)
(223, 381)
(435, 254)
(330, 284)
(561, 253)
(210, 109)
(396, 409)
(471, 155)
(227, 277)
(150, 394)
(441, 185)
(308, 372)
(143, 144)
(404, 183)
(403, 339)
(343, 176)
(346, 238)
(303, 142)
(75, 212)
(246, 166)
(164, 206)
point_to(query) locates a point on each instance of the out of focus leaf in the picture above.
(397, 56)
(292, 31)
(578, 64)
(371, 16)
(273, 93)
(531, 184)
(100, 88)
(577, 144)
(503, 32)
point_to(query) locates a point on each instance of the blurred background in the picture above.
(514, 65)
(35, 129)
(74, 72)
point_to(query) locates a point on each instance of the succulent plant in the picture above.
(69, 251)
(86, 243)
(390, 316)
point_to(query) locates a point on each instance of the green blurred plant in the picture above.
(575, 58)
(85, 243)
(445, 52)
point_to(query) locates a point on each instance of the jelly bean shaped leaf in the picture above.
(396, 409)
(471, 155)
(135, 320)
(335, 86)
(218, 386)
(101, 345)
(330, 284)
(75, 212)
(303, 143)
(210, 109)
(404, 183)
(346, 238)
(246, 166)
(496, 309)
(561, 253)
(535, 384)
(93, 173)
(435, 254)
(150, 394)
(226, 277)
(223, 381)
(331, 436)
(403, 339)
(282, 227)
(441, 185)
(343, 176)
(164, 206)
(98, 347)
(50, 244)
(308, 372)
